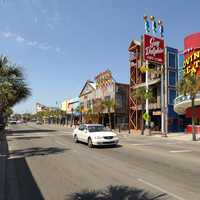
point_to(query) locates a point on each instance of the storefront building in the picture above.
(191, 64)
(95, 93)
(162, 64)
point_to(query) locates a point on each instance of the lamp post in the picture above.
(72, 113)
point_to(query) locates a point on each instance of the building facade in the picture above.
(162, 76)
(95, 93)
(190, 64)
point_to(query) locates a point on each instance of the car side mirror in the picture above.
(85, 130)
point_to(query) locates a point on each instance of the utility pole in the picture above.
(147, 100)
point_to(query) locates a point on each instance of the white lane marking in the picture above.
(14, 157)
(160, 189)
(144, 144)
(180, 151)
(170, 143)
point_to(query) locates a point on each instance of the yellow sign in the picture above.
(104, 79)
(192, 63)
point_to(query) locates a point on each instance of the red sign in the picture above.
(153, 49)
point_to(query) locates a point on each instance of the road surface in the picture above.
(45, 163)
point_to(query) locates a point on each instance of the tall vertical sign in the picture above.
(153, 49)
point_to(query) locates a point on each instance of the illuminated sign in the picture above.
(191, 63)
(104, 79)
(153, 49)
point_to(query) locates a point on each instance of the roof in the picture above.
(133, 45)
(91, 84)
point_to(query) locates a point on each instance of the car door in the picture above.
(85, 134)
(80, 132)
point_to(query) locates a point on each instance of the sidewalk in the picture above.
(171, 136)
(3, 160)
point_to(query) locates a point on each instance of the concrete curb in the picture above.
(3, 159)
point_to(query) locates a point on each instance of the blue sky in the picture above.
(62, 43)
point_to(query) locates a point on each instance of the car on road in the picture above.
(12, 122)
(38, 122)
(95, 135)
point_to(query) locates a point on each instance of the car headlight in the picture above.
(98, 137)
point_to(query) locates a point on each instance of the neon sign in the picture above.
(191, 63)
(153, 49)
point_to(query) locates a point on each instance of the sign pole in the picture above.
(162, 101)
(147, 88)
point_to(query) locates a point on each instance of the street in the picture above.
(45, 163)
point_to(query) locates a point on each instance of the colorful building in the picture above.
(162, 65)
(191, 64)
(104, 88)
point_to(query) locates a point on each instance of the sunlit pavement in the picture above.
(44, 163)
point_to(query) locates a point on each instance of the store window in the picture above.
(107, 98)
(172, 96)
(172, 78)
(89, 104)
(172, 59)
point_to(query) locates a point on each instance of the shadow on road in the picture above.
(31, 131)
(115, 193)
(26, 138)
(37, 151)
(21, 184)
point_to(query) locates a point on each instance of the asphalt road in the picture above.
(44, 163)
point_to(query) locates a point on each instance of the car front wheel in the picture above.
(90, 145)
(76, 139)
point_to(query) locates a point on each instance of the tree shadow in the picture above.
(20, 183)
(37, 151)
(26, 138)
(115, 193)
(109, 146)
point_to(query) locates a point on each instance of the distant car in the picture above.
(95, 135)
(12, 122)
(19, 121)
(38, 122)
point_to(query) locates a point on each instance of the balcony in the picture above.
(181, 103)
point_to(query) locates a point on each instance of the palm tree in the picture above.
(140, 94)
(13, 88)
(80, 110)
(190, 85)
(109, 104)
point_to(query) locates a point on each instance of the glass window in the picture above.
(172, 59)
(89, 104)
(172, 78)
(172, 96)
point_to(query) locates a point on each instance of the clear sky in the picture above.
(62, 43)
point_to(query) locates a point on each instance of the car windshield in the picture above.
(96, 128)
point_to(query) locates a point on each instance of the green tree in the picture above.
(13, 88)
(190, 85)
(109, 104)
(140, 94)
(79, 109)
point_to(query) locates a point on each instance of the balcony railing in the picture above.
(182, 98)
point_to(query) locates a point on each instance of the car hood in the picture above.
(103, 133)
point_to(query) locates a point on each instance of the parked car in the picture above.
(39, 122)
(12, 122)
(95, 135)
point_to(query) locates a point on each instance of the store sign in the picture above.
(191, 63)
(153, 49)
(156, 113)
(104, 79)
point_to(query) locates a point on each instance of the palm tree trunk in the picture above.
(142, 122)
(193, 120)
(102, 119)
(110, 120)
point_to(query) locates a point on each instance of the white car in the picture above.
(94, 135)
